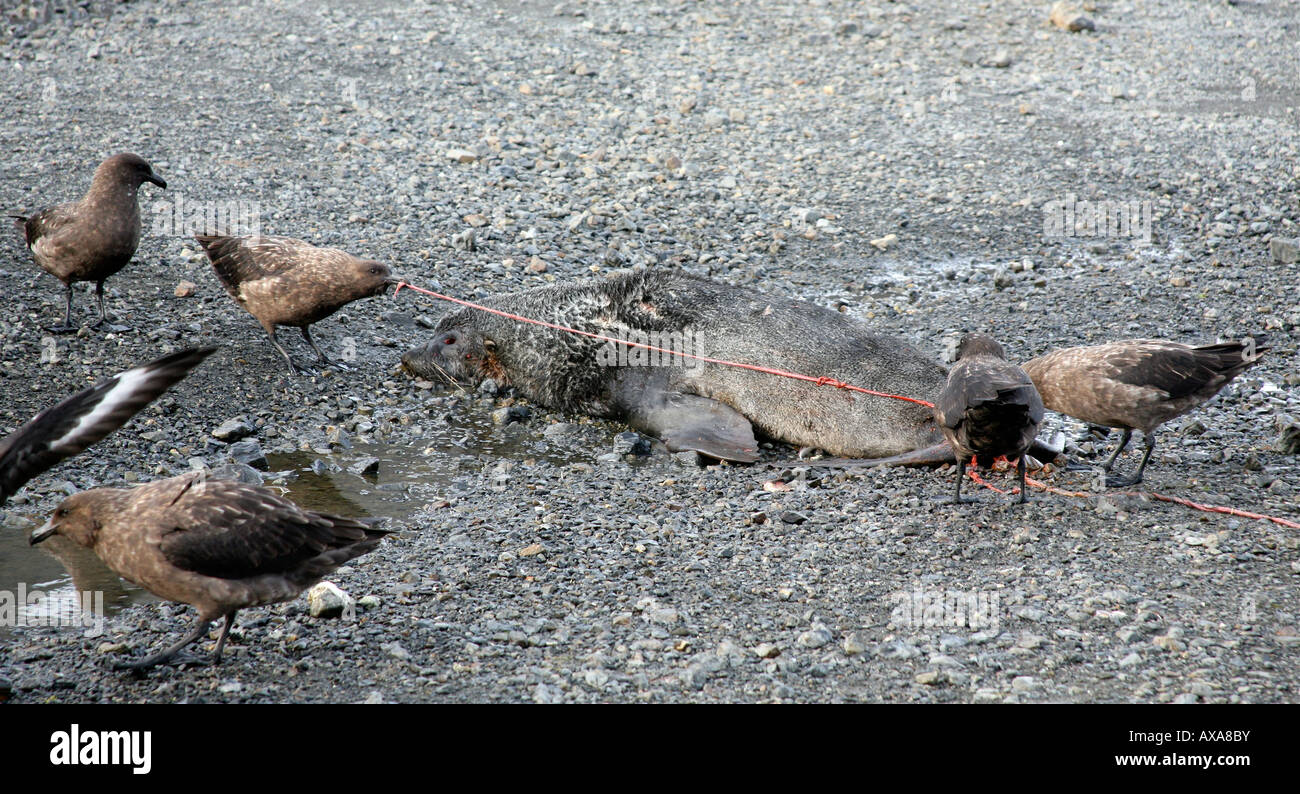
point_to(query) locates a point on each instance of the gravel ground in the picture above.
(893, 160)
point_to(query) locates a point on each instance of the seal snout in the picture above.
(418, 361)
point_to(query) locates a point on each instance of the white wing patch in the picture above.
(128, 384)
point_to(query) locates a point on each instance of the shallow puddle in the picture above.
(49, 583)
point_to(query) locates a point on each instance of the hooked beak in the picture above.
(157, 180)
(43, 532)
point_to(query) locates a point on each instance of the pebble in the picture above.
(248, 453)
(767, 650)
(1067, 17)
(1285, 251)
(233, 430)
(326, 600)
(814, 638)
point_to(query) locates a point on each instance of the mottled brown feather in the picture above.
(1138, 384)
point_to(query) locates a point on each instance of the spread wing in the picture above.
(84, 418)
(239, 259)
(231, 530)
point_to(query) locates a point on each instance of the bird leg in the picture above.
(1123, 442)
(103, 314)
(1022, 467)
(225, 629)
(1149, 442)
(294, 368)
(200, 629)
(961, 475)
(324, 360)
(67, 326)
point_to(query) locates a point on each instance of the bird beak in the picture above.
(157, 180)
(45, 530)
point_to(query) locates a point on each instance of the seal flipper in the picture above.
(688, 422)
(935, 455)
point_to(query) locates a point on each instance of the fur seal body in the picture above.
(93, 238)
(693, 405)
(1137, 384)
(989, 408)
(284, 281)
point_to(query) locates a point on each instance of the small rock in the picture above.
(1285, 252)
(395, 650)
(1067, 17)
(368, 466)
(248, 453)
(238, 472)
(856, 643)
(185, 289)
(630, 443)
(886, 242)
(1289, 442)
(233, 430)
(461, 155)
(326, 600)
(767, 650)
(814, 638)
(512, 413)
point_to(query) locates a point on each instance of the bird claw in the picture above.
(63, 329)
(175, 660)
(1119, 481)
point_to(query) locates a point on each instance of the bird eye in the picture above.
(451, 340)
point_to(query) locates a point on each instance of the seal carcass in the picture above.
(693, 405)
